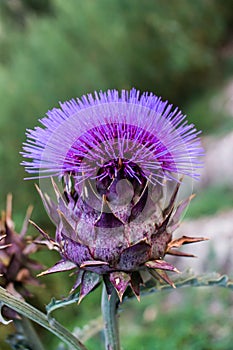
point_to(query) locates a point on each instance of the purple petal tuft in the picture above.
(85, 134)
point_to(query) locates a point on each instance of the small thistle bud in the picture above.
(15, 264)
(115, 153)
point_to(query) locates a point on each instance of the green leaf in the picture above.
(39, 317)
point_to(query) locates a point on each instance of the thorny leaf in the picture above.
(185, 279)
(57, 304)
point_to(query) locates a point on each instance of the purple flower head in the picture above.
(92, 137)
(113, 151)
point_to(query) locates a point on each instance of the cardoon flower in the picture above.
(116, 154)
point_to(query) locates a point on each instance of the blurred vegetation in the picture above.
(205, 202)
(189, 320)
(54, 50)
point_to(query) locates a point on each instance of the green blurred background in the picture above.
(51, 51)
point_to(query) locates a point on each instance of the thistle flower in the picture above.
(16, 266)
(114, 152)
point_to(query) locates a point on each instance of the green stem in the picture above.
(25, 326)
(39, 317)
(109, 311)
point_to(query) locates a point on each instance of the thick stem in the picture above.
(109, 312)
